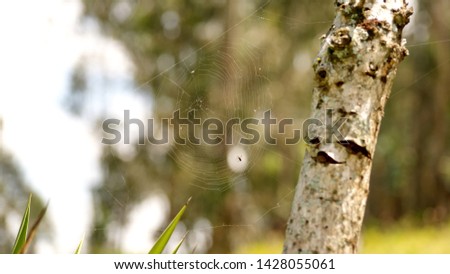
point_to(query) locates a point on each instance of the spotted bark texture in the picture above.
(354, 72)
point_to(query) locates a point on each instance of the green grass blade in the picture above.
(22, 234)
(165, 236)
(33, 229)
(179, 244)
(80, 245)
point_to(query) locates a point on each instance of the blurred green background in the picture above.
(235, 58)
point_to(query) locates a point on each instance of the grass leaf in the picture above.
(32, 232)
(179, 244)
(80, 245)
(22, 233)
(165, 236)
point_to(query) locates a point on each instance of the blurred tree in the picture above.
(432, 193)
(13, 198)
(410, 170)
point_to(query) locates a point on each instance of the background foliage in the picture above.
(230, 58)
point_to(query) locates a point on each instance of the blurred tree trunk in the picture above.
(431, 137)
(221, 237)
(354, 72)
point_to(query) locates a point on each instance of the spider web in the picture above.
(236, 92)
(238, 80)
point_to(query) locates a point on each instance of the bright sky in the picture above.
(58, 152)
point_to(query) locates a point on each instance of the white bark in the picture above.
(354, 72)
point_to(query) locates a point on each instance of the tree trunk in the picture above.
(354, 72)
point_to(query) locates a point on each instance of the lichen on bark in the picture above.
(354, 72)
